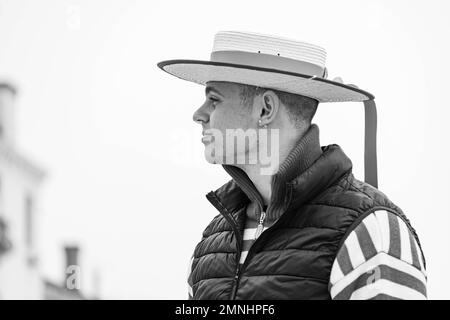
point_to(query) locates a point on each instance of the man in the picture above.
(293, 222)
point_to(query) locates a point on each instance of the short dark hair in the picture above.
(300, 108)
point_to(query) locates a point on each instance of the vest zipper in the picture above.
(235, 282)
(260, 227)
(212, 197)
(237, 275)
(239, 240)
(265, 235)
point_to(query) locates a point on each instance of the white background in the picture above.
(127, 178)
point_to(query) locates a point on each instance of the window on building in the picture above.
(5, 243)
(29, 221)
(29, 230)
(1, 196)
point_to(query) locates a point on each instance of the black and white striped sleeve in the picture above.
(380, 259)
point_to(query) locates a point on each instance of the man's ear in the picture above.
(270, 106)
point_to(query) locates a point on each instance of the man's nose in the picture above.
(201, 115)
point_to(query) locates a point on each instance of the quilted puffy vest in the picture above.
(316, 202)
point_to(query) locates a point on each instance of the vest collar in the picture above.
(307, 170)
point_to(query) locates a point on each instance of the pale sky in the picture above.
(127, 178)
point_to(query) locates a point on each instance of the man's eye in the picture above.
(213, 99)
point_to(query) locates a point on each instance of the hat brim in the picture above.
(323, 90)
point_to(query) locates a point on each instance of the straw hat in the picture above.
(278, 63)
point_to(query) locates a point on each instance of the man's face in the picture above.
(222, 113)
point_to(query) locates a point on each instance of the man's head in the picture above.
(300, 109)
(231, 106)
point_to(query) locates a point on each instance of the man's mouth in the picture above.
(206, 138)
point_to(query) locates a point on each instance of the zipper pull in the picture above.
(260, 227)
(236, 274)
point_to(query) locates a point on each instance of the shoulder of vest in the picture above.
(217, 224)
(355, 200)
(355, 195)
(363, 199)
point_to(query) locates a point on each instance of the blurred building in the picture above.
(20, 179)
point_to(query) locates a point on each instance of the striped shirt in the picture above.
(380, 259)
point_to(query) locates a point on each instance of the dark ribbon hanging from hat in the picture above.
(370, 143)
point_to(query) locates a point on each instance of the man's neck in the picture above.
(263, 182)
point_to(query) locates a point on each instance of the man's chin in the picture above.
(213, 160)
(230, 159)
(218, 160)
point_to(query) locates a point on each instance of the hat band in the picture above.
(270, 61)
